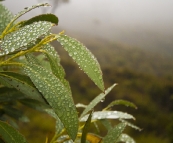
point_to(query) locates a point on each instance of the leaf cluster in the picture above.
(31, 74)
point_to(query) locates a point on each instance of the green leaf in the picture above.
(24, 36)
(96, 100)
(131, 125)
(84, 58)
(15, 113)
(35, 104)
(114, 133)
(32, 59)
(108, 115)
(5, 17)
(86, 128)
(43, 17)
(57, 95)
(9, 95)
(126, 139)
(106, 123)
(21, 83)
(10, 135)
(27, 9)
(121, 102)
(56, 67)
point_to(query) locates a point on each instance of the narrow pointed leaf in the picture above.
(125, 139)
(96, 100)
(27, 9)
(113, 134)
(106, 123)
(43, 17)
(10, 135)
(85, 129)
(24, 36)
(21, 83)
(57, 96)
(131, 125)
(56, 67)
(5, 17)
(121, 102)
(108, 115)
(84, 58)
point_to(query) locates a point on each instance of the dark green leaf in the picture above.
(10, 135)
(35, 104)
(9, 94)
(21, 83)
(121, 102)
(57, 95)
(96, 100)
(84, 58)
(86, 129)
(43, 17)
(114, 133)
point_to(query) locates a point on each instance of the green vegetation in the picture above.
(31, 75)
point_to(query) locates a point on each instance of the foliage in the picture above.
(31, 74)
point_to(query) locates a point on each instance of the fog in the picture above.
(128, 21)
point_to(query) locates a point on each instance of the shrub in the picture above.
(31, 74)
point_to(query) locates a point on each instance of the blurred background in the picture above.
(133, 42)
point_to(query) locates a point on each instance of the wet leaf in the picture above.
(131, 125)
(32, 59)
(126, 139)
(43, 17)
(84, 58)
(24, 36)
(26, 9)
(96, 100)
(114, 133)
(121, 102)
(86, 129)
(21, 83)
(10, 135)
(5, 17)
(57, 95)
(108, 115)
(56, 67)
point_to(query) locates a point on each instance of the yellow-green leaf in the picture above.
(10, 135)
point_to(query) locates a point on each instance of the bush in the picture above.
(31, 74)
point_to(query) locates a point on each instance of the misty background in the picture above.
(141, 23)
